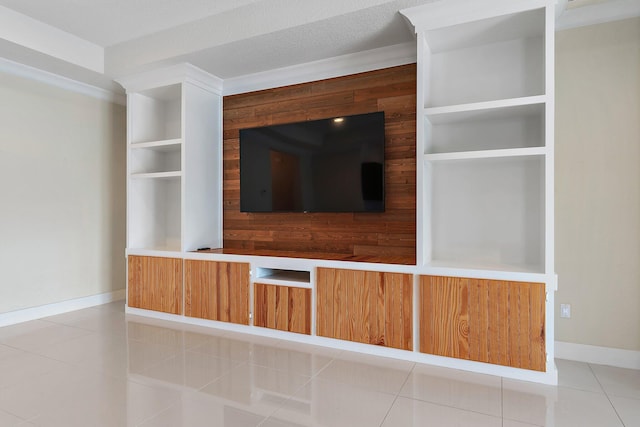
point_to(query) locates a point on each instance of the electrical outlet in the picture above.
(565, 311)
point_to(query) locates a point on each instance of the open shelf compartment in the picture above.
(486, 213)
(159, 157)
(502, 127)
(276, 276)
(156, 114)
(496, 58)
(155, 214)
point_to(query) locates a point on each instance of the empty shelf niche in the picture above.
(277, 276)
(156, 114)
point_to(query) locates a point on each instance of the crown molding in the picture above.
(22, 70)
(165, 76)
(599, 13)
(353, 63)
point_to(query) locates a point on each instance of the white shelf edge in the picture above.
(486, 105)
(153, 144)
(288, 283)
(156, 175)
(486, 154)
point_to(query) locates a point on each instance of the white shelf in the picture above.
(470, 111)
(486, 154)
(157, 175)
(162, 145)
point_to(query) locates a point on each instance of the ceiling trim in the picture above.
(36, 74)
(598, 13)
(36, 35)
(352, 63)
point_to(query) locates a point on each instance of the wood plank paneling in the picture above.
(365, 306)
(282, 307)
(217, 290)
(155, 283)
(490, 321)
(390, 236)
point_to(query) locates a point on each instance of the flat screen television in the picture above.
(329, 165)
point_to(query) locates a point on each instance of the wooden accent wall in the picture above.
(282, 307)
(365, 306)
(155, 283)
(217, 290)
(488, 321)
(387, 235)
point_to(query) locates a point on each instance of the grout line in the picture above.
(606, 394)
(395, 399)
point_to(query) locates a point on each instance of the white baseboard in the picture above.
(39, 312)
(599, 355)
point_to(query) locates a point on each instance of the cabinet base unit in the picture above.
(491, 321)
(217, 290)
(282, 307)
(365, 306)
(155, 283)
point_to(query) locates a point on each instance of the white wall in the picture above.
(598, 184)
(62, 194)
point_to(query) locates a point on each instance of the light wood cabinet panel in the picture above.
(365, 306)
(490, 321)
(217, 291)
(155, 283)
(282, 307)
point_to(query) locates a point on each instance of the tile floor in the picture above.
(99, 367)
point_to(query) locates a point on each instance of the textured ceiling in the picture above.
(228, 38)
(108, 22)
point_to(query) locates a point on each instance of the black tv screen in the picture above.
(328, 165)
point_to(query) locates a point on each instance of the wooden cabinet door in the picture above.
(155, 283)
(282, 307)
(217, 290)
(365, 306)
(490, 321)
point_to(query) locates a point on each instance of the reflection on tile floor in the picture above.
(100, 367)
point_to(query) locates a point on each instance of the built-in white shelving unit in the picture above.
(174, 160)
(485, 134)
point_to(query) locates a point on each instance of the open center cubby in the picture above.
(299, 277)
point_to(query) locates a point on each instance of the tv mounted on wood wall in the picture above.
(329, 165)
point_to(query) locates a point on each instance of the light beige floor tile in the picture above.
(190, 369)
(195, 410)
(577, 375)
(332, 404)
(462, 390)
(8, 420)
(106, 401)
(536, 404)
(258, 389)
(226, 348)
(379, 374)
(6, 351)
(283, 359)
(512, 423)
(618, 381)
(19, 329)
(416, 413)
(44, 337)
(23, 366)
(142, 355)
(85, 347)
(628, 410)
